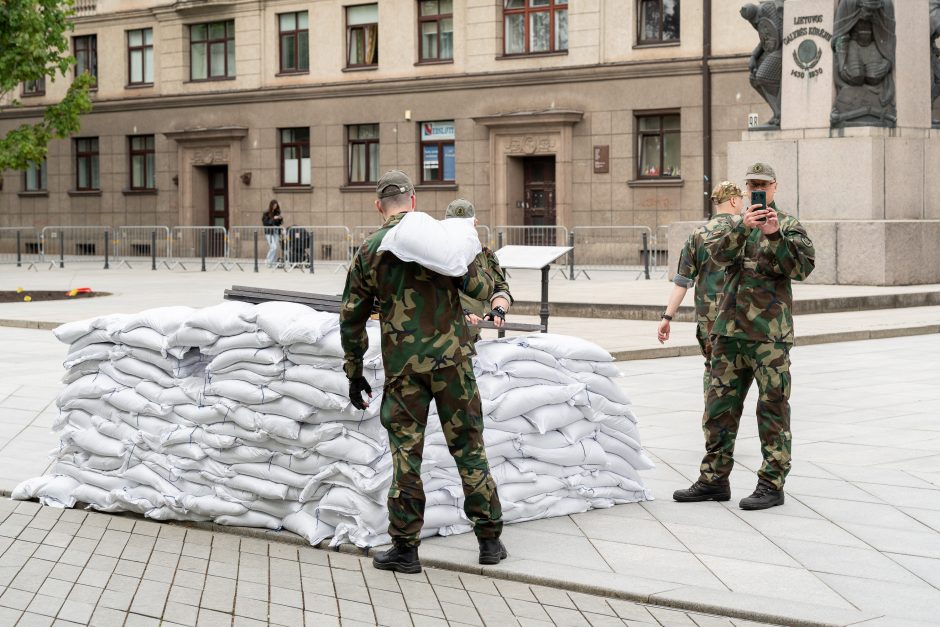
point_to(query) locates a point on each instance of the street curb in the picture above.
(801, 340)
(795, 613)
(686, 313)
(28, 324)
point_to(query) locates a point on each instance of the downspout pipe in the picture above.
(706, 107)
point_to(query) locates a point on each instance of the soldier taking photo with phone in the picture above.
(762, 251)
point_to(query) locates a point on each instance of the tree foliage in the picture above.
(34, 44)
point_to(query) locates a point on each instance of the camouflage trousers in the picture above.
(705, 344)
(405, 415)
(734, 365)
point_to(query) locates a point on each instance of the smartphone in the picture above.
(759, 197)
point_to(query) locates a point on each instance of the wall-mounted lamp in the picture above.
(246, 178)
(408, 115)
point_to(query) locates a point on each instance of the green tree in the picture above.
(34, 45)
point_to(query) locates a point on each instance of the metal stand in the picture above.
(543, 307)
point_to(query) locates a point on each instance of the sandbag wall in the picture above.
(238, 414)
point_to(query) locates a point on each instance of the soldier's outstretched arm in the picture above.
(500, 284)
(794, 253)
(357, 307)
(725, 243)
(477, 283)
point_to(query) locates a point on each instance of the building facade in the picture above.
(567, 112)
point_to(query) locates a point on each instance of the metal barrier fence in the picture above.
(199, 244)
(506, 235)
(150, 244)
(486, 238)
(621, 248)
(305, 246)
(20, 246)
(76, 244)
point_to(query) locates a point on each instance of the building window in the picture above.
(35, 88)
(659, 21)
(142, 162)
(535, 26)
(436, 30)
(86, 164)
(659, 146)
(363, 141)
(140, 56)
(362, 35)
(438, 158)
(295, 42)
(212, 51)
(86, 55)
(295, 156)
(34, 178)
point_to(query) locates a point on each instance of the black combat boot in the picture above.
(492, 551)
(402, 558)
(703, 492)
(765, 495)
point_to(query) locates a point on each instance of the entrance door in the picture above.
(539, 182)
(218, 208)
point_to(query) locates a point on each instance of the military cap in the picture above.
(725, 191)
(393, 183)
(760, 172)
(460, 208)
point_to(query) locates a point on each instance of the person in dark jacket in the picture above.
(271, 220)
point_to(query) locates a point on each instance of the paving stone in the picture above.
(123, 583)
(529, 609)
(284, 573)
(32, 575)
(116, 599)
(188, 596)
(211, 618)
(351, 610)
(76, 558)
(564, 616)
(452, 595)
(189, 579)
(312, 619)
(461, 614)
(201, 551)
(251, 590)
(515, 590)
(154, 572)
(631, 611)
(85, 594)
(181, 613)
(254, 546)
(103, 563)
(420, 620)
(319, 586)
(129, 568)
(309, 555)
(82, 545)
(150, 598)
(321, 604)
(171, 532)
(77, 611)
(163, 558)
(251, 608)
(45, 605)
(32, 534)
(195, 564)
(107, 617)
(344, 561)
(281, 551)
(91, 532)
(16, 599)
(218, 594)
(30, 619)
(55, 588)
(92, 577)
(591, 603)
(602, 620)
(146, 528)
(242, 621)
(9, 616)
(386, 598)
(283, 615)
(138, 620)
(169, 545)
(222, 569)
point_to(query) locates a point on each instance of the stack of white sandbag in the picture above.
(238, 414)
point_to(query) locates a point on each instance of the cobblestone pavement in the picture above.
(66, 567)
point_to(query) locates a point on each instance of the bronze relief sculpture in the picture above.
(864, 58)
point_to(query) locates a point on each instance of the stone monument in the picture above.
(766, 63)
(856, 155)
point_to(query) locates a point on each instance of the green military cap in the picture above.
(460, 208)
(761, 172)
(393, 183)
(725, 191)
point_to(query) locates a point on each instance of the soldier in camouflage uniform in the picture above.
(762, 251)
(426, 349)
(474, 308)
(697, 268)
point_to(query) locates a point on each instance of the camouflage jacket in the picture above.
(757, 297)
(490, 264)
(697, 267)
(423, 326)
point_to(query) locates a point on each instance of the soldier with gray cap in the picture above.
(473, 308)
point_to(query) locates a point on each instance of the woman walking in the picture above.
(271, 219)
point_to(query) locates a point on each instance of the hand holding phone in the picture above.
(758, 202)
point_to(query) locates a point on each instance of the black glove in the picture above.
(497, 312)
(356, 387)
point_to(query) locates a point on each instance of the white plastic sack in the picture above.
(443, 246)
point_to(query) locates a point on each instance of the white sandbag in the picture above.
(90, 386)
(342, 504)
(283, 406)
(139, 499)
(272, 355)
(143, 370)
(249, 376)
(550, 417)
(493, 355)
(251, 339)
(72, 332)
(515, 492)
(241, 392)
(107, 369)
(603, 386)
(141, 337)
(309, 328)
(164, 320)
(520, 401)
(78, 371)
(356, 477)
(95, 443)
(269, 371)
(156, 393)
(187, 337)
(230, 317)
(279, 427)
(309, 395)
(98, 336)
(308, 526)
(264, 489)
(93, 352)
(251, 519)
(278, 509)
(210, 506)
(128, 400)
(233, 430)
(606, 369)
(443, 246)
(564, 346)
(271, 472)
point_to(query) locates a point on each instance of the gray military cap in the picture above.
(460, 208)
(760, 172)
(393, 183)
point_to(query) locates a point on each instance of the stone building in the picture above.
(568, 112)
